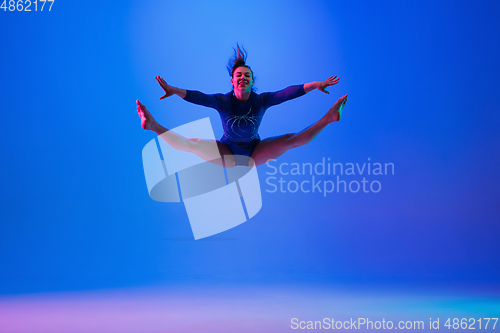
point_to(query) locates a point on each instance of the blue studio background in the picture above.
(422, 79)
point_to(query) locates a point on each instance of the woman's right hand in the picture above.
(168, 89)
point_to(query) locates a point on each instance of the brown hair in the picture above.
(238, 60)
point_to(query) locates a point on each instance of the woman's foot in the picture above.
(335, 112)
(147, 120)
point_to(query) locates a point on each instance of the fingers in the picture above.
(332, 81)
(332, 78)
(164, 86)
(158, 80)
(161, 81)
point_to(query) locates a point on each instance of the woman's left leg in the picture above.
(274, 147)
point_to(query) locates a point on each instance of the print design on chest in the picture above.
(234, 119)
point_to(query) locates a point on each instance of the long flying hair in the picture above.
(238, 60)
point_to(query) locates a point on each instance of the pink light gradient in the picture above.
(223, 309)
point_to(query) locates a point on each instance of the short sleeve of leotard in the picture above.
(278, 97)
(197, 97)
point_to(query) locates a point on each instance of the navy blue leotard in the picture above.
(241, 121)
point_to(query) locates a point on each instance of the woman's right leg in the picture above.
(272, 148)
(209, 150)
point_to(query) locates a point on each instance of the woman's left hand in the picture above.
(322, 85)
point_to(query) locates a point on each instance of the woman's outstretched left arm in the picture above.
(321, 85)
(292, 92)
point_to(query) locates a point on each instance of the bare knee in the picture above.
(192, 145)
(189, 145)
(292, 141)
(196, 143)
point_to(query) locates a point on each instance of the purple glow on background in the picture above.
(237, 309)
(83, 246)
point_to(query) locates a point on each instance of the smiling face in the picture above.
(242, 78)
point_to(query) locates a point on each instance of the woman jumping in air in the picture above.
(241, 112)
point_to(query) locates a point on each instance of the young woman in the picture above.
(241, 112)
